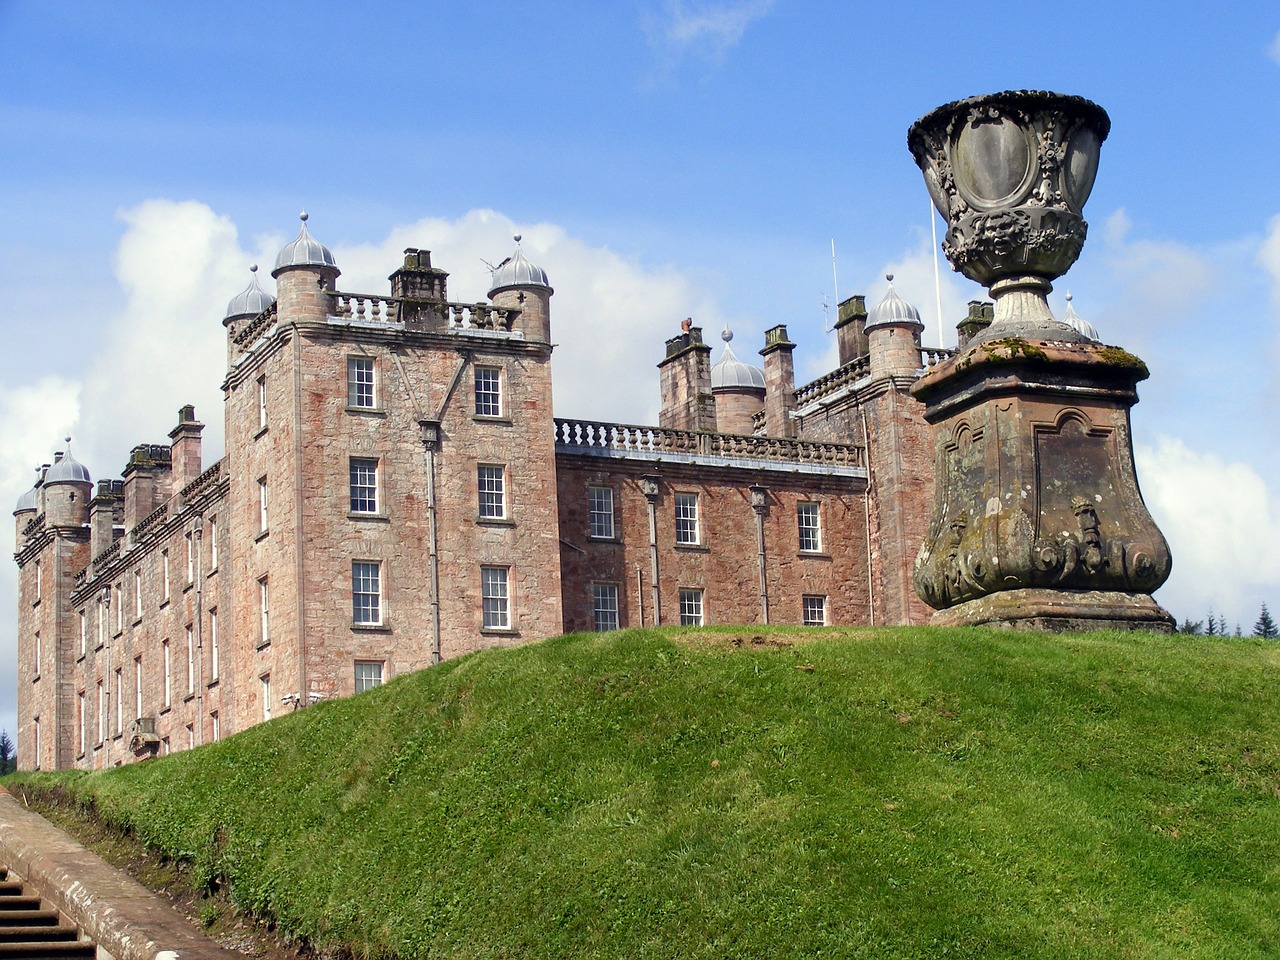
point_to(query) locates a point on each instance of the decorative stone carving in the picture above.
(1038, 520)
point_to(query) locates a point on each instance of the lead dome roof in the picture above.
(67, 469)
(250, 301)
(730, 372)
(892, 309)
(304, 251)
(518, 271)
(30, 499)
(1079, 323)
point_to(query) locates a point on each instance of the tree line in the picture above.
(1215, 625)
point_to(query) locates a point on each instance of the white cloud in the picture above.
(704, 30)
(1222, 521)
(1269, 259)
(1273, 51)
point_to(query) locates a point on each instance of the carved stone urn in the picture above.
(1038, 521)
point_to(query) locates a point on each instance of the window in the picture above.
(165, 748)
(492, 481)
(263, 613)
(84, 632)
(809, 521)
(164, 577)
(262, 403)
(690, 608)
(488, 392)
(82, 721)
(216, 727)
(191, 660)
(361, 388)
(213, 544)
(214, 655)
(119, 724)
(191, 736)
(168, 673)
(600, 510)
(604, 605)
(368, 675)
(262, 504)
(495, 609)
(102, 624)
(137, 594)
(137, 688)
(264, 684)
(364, 485)
(119, 599)
(35, 734)
(366, 592)
(36, 664)
(191, 559)
(102, 713)
(815, 611)
(687, 518)
(39, 583)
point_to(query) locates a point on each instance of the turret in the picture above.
(67, 488)
(305, 270)
(893, 336)
(519, 283)
(27, 509)
(738, 389)
(243, 307)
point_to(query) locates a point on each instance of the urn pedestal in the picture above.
(1038, 521)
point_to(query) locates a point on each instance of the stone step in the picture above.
(10, 888)
(48, 950)
(18, 903)
(28, 918)
(47, 932)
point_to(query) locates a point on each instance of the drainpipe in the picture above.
(640, 594)
(650, 487)
(106, 681)
(197, 535)
(431, 440)
(299, 535)
(866, 503)
(760, 504)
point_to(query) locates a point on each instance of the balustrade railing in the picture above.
(932, 356)
(480, 316)
(365, 308)
(828, 383)
(629, 438)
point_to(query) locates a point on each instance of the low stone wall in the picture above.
(126, 920)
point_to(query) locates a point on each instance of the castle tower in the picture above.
(738, 389)
(243, 307)
(523, 285)
(899, 456)
(26, 510)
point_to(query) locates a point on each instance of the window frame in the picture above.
(605, 606)
(363, 683)
(369, 501)
(495, 597)
(488, 403)
(692, 607)
(495, 497)
(262, 402)
(601, 523)
(367, 574)
(264, 611)
(807, 604)
(359, 389)
(687, 519)
(809, 526)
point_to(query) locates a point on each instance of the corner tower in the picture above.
(522, 285)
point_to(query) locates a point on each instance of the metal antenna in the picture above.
(835, 280)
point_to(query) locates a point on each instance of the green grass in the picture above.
(864, 793)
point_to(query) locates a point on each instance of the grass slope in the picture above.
(862, 793)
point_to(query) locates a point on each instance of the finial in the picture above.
(303, 216)
(1068, 296)
(889, 277)
(726, 334)
(68, 440)
(519, 238)
(254, 268)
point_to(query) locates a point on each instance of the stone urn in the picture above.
(1038, 521)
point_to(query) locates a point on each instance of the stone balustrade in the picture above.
(932, 356)
(623, 438)
(365, 308)
(479, 316)
(829, 383)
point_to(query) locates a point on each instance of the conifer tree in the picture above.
(1266, 626)
(8, 762)
(1211, 625)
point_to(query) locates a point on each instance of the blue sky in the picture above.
(663, 159)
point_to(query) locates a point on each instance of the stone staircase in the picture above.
(27, 930)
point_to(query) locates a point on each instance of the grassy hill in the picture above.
(782, 793)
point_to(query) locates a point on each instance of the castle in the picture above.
(396, 491)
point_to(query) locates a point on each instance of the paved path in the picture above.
(127, 920)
